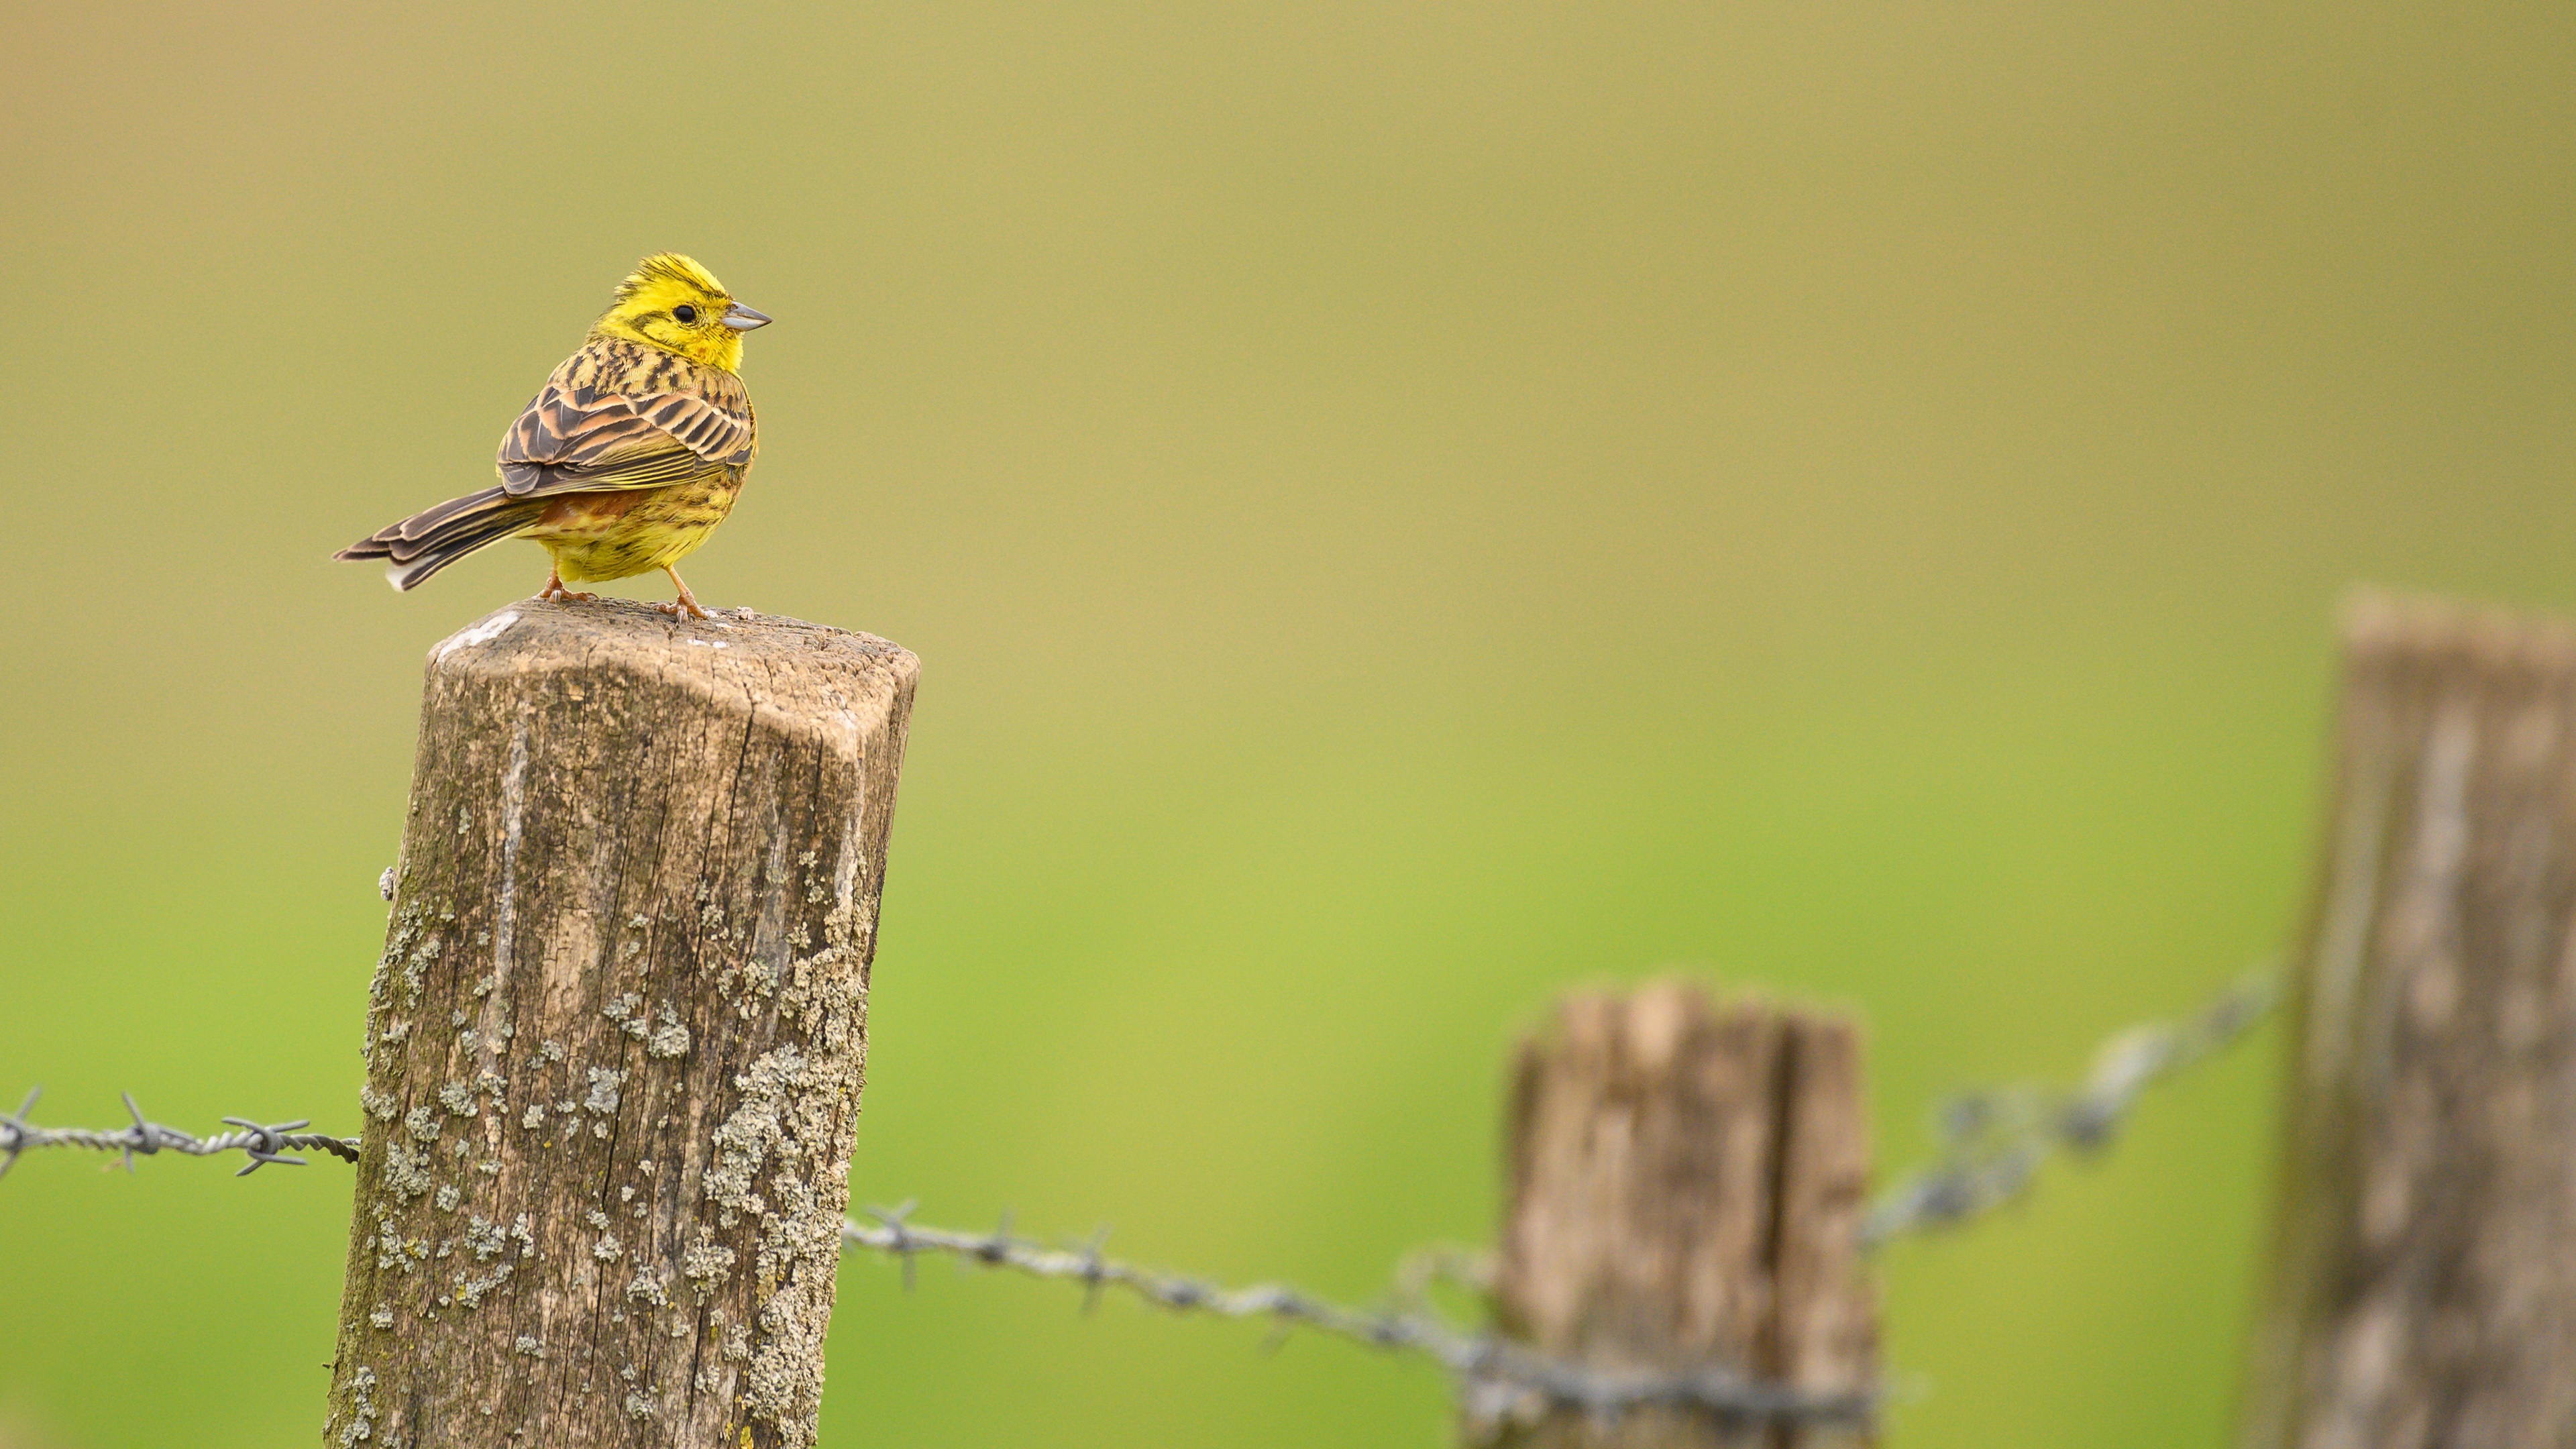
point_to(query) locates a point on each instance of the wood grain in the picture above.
(1684, 1189)
(616, 1040)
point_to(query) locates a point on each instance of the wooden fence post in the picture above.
(1686, 1184)
(2423, 1285)
(616, 1040)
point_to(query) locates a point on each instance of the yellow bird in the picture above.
(627, 460)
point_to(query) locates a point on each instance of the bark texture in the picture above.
(2424, 1278)
(1686, 1184)
(616, 1040)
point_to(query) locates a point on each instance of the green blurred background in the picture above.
(1403, 509)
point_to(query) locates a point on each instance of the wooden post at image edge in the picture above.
(2423, 1278)
(1685, 1184)
(616, 1040)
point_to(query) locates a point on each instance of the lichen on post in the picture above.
(616, 1040)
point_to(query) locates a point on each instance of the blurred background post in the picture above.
(1685, 1193)
(1405, 512)
(2420, 1288)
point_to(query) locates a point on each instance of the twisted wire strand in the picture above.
(1994, 1141)
(263, 1144)
(1498, 1381)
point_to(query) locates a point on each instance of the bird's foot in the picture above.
(555, 593)
(684, 607)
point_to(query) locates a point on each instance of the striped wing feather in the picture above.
(615, 416)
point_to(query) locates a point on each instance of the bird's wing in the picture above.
(597, 427)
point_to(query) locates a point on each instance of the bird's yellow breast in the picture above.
(600, 536)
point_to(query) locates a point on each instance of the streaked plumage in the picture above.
(627, 459)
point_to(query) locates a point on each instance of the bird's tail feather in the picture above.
(432, 539)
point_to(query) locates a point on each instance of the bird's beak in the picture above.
(742, 319)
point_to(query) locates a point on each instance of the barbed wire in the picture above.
(1498, 1381)
(1994, 1141)
(263, 1144)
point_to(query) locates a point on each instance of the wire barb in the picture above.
(1497, 1381)
(262, 1143)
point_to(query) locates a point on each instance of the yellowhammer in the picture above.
(626, 461)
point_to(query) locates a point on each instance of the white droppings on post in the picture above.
(845, 871)
(505, 928)
(483, 633)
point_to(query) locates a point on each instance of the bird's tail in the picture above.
(430, 540)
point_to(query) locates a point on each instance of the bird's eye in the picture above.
(685, 315)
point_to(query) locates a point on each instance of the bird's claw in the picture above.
(557, 593)
(680, 609)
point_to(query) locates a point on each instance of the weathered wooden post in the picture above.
(1685, 1190)
(615, 1044)
(2423, 1286)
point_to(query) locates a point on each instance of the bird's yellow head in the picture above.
(672, 303)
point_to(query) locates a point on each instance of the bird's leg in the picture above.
(687, 605)
(555, 590)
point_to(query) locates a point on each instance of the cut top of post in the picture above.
(2382, 627)
(835, 685)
